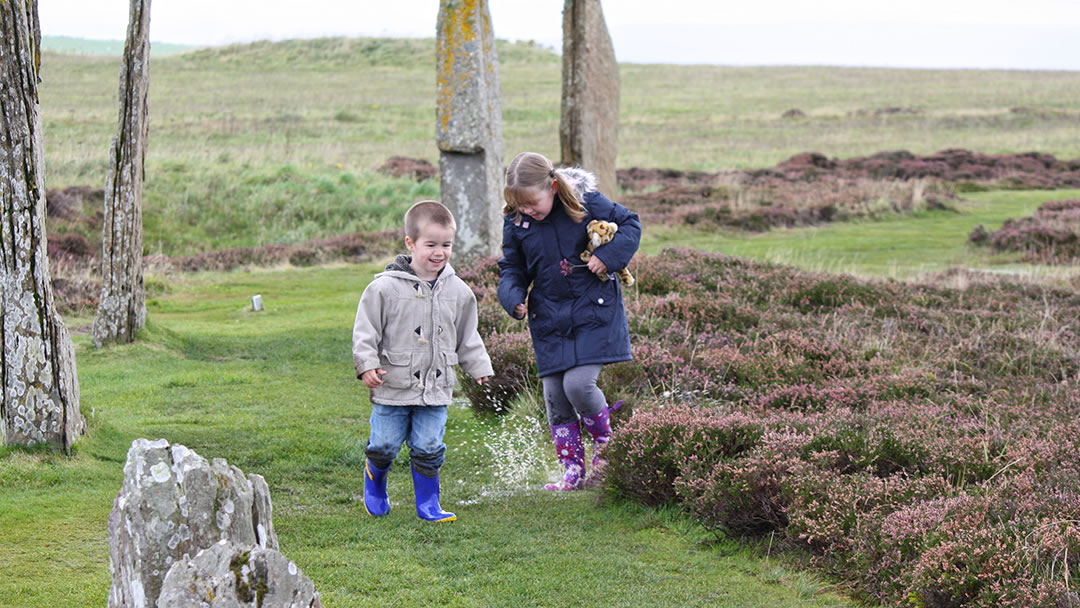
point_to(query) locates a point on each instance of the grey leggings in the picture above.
(573, 392)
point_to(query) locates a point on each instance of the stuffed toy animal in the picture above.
(601, 232)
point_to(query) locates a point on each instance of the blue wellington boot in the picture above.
(376, 500)
(426, 490)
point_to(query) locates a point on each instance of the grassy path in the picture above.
(900, 247)
(273, 393)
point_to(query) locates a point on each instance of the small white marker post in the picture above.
(256, 303)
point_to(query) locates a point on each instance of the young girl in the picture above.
(576, 320)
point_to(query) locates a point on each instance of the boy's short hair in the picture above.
(427, 211)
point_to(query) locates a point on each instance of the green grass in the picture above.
(902, 247)
(274, 393)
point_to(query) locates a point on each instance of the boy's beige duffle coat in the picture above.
(417, 333)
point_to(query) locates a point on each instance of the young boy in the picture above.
(415, 321)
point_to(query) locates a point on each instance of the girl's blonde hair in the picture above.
(532, 171)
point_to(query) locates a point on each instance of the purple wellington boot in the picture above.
(599, 427)
(571, 453)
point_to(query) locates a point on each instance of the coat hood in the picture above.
(579, 179)
(401, 266)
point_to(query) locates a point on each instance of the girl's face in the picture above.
(431, 250)
(540, 201)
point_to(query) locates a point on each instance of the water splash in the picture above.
(516, 454)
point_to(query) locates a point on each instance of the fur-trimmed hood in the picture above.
(579, 179)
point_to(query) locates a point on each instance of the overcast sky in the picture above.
(1015, 34)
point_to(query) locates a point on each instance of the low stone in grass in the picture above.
(173, 504)
(228, 575)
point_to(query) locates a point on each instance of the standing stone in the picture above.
(468, 126)
(588, 131)
(122, 308)
(172, 505)
(228, 575)
(38, 383)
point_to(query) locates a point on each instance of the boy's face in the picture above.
(431, 250)
(539, 202)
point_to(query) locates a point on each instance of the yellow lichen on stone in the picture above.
(457, 29)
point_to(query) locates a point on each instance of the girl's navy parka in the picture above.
(574, 318)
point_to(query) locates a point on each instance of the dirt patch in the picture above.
(1029, 170)
(356, 247)
(416, 168)
(891, 111)
(759, 205)
(77, 286)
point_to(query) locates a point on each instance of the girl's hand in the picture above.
(520, 310)
(371, 377)
(597, 266)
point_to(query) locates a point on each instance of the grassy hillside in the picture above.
(85, 46)
(226, 121)
(357, 102)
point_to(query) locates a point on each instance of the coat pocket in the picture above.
(602, 300)
(398, 368)
(446, 373)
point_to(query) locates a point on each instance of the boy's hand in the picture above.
(371, 377)
(520, 310)
(482, 380)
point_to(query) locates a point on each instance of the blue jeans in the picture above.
(421, 426)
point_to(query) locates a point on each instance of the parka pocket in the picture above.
(602, 300)
(398, 368)
(447, 376)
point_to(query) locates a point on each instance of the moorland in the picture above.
(858, 402)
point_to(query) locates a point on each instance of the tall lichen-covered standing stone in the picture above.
(122, 308)
(588, 130)
(38, 383)
(469, 124)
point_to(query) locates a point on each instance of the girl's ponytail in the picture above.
(568, 194)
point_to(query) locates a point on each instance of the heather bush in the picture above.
(918, 440)
(1050, 236)
(515, 371)
(663, 440)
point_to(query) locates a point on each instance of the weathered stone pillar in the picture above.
(38, 383)
(468, 126)
(122, 307)
(588, 131)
